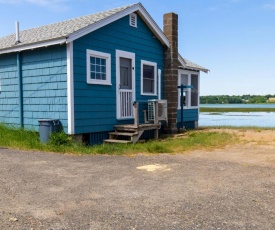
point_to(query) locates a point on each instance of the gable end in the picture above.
(137, 9)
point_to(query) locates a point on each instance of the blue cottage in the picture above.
(88, 71)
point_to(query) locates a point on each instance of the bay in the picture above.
(237, 105)
(238, 119)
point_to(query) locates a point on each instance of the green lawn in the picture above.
(192, 140)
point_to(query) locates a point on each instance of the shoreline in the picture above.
(226, 110)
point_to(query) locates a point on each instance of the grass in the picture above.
(224, 110)
(12, 137)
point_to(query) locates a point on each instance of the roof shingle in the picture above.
(57, 30)
(62, 30)
(185, 63)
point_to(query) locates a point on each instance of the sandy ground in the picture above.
(230, 188)
(256, 147)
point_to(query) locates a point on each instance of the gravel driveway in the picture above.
(221, 189)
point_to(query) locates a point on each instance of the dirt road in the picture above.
(231, 188)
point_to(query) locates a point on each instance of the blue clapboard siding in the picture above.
(44, 74)
(95, 105)
(9, 90)
(44, 77)
(189, 117)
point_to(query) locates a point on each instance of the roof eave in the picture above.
(20, 47)
(153, 25)
(205, 70)
(184, 66)
(181, 60)
(194, 69)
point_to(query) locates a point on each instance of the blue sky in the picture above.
(235, 39)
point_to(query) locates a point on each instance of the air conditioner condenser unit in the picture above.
(161, 106)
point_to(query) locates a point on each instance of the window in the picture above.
(184, 81)
(98, 68)
(190, 95)
(195, 90)
(148, 78)
(133, 20)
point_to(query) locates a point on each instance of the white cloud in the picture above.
(56, 5)
(270, 6)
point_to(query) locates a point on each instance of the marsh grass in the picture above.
(12, 137)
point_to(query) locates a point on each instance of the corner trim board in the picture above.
(70, 88)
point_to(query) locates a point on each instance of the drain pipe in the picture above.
(19, 75)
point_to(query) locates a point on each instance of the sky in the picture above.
(235, 39)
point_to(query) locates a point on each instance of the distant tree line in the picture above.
(244, 99)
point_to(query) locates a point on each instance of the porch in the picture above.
(131, 133)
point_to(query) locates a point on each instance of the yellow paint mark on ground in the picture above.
(153, 168)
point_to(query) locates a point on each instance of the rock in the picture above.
(13, 219)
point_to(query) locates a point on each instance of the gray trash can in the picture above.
(46, 127)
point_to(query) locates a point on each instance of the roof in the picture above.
(186, 64)
(57, 30)
(69, 30)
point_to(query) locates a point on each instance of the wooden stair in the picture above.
(117, 141)
(130, 133)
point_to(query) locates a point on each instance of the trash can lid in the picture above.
(48, 120)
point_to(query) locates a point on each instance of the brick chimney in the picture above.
(170, 24)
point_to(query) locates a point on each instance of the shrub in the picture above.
(59, 138)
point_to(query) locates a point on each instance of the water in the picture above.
(258, 119)
(237, 105)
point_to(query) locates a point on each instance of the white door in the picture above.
(125, 75)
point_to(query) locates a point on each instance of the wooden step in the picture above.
(126, 129)
(132, 131)
(117, 141)
(133, 128)
(123, 134)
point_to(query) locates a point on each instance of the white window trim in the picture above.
(93, 53)
(154, 64)
(188, 91)
(130, 21)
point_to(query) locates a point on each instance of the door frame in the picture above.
(129, 55)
